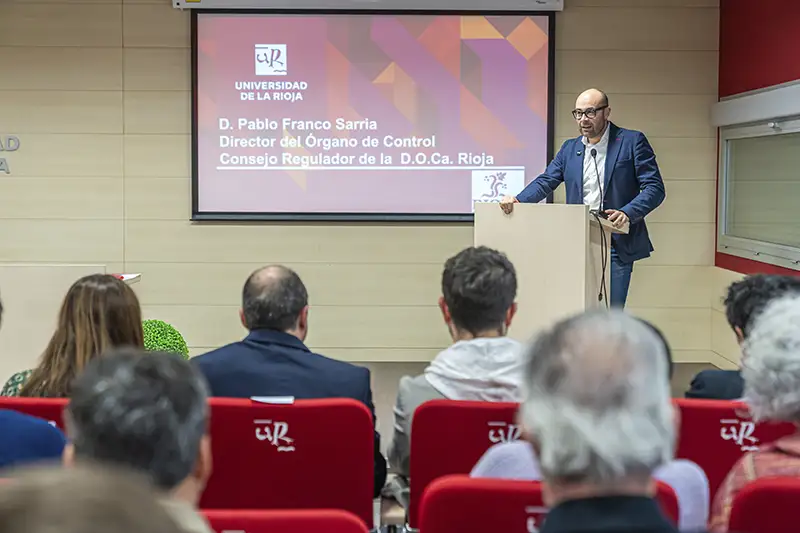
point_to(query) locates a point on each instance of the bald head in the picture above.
(273, 297)
(591, 113)
(591, 98)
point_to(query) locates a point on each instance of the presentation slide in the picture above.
(366, 115)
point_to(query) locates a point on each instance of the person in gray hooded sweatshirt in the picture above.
(479, 286)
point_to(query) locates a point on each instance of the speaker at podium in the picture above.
(561, 254)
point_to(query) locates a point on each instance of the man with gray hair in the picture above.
(599, 416)
(147, 411)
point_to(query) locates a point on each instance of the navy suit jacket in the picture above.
(273, 363)
(632, 185)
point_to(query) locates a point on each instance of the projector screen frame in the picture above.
(219, 216)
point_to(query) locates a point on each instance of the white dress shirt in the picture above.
(592, 191)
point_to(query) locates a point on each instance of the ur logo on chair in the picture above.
(275, 433)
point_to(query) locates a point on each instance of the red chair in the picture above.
(312, 454)
(448, 437)
(458, 503)
(248, 521)
(50, 409)
(716, 433)
(766, 505)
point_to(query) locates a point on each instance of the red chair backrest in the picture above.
(249, 521)
(767, 505)
(312, 454)
(50, 409)
(458, 503)
(716, 433)
(448, 437)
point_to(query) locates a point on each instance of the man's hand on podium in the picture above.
(618, 218)
(507, 204)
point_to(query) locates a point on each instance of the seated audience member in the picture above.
(743, 303)
(27, 439)
(273, 361)
(99, 312)
(89, 499)
(599, 417)
(146, 411)
(516, 460)
(479, 286)
(771, 372)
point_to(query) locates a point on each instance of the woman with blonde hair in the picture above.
(99, 312)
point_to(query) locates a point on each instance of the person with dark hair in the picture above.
(479, 286)
(744, 302)
(273, 359)
(148, 412)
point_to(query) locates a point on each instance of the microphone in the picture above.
(597, 173)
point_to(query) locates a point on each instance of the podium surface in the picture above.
(559, 253)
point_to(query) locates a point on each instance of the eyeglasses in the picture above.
(589, 112)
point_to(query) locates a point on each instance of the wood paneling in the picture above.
(681, 244)
(61, 241)
(48, 155)
(687, 201)
(157, 112)
(157, 156)
(660, 72)
(155, 25)
(60, 24)
(328, 284)
(50, 68)
(61, 111)
(157, 69)
(165, 241)
(61, 198)
(669, 286)
(636, 28)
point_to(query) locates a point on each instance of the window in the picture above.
(759, 214)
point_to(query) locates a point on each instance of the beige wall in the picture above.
(99, 93)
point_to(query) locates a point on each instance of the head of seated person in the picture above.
(88, 499)
(771, 363)
(479, 288)
(599, 421)
(146, 411)
(99, 312)
(771, 373)
(747, 298)
(275, 298)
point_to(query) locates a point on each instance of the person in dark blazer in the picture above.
(612, 170)
(273, 360)
(745, 300)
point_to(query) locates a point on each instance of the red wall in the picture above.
(759, 41)
(759, 46)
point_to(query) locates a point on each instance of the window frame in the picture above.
(762, 251)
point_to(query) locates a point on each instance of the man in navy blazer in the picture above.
(614, 171)
(273, 361)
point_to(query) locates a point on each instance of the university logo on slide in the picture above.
(491, 185)
(271, 60)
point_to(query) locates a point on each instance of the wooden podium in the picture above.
(557, 251)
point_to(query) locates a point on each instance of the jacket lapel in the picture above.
(614, 145)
